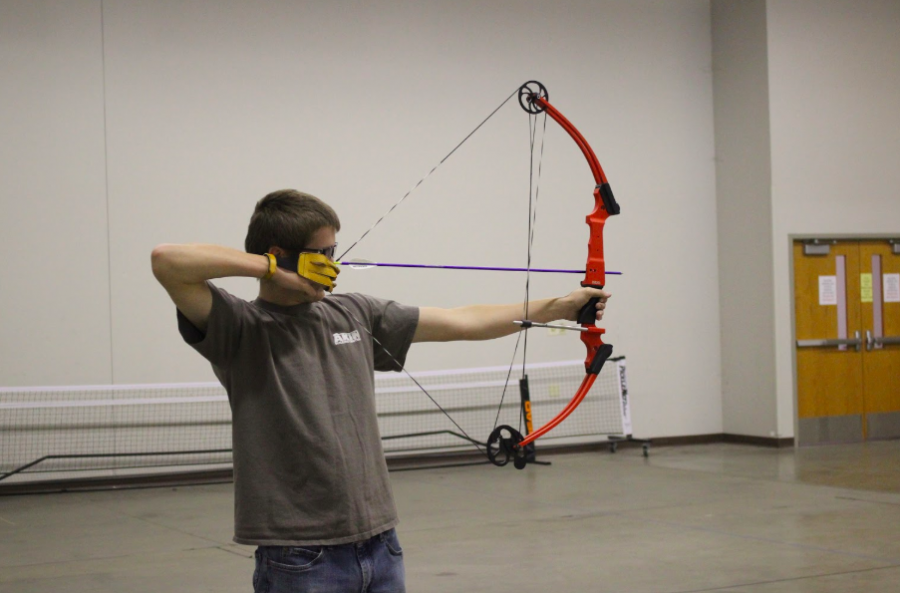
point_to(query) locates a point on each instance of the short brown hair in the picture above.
(287, 218)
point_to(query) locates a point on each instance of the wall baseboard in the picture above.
(724, 437)
(778, 443)
(189, 478)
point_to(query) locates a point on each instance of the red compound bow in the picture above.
(505, 442)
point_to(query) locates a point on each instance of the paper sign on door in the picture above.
(865, 288)
(891, 288)
(828, 290)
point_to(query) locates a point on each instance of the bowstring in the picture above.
(416, 186)
(478, 445)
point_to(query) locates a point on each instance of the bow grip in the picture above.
(588, 314)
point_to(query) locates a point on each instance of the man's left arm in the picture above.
(486, 322)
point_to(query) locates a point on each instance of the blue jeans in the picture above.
(371, 566)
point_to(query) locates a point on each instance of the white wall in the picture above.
(210, 105)
(834, 83)
(54, 271)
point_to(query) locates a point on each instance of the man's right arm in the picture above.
(184, 269)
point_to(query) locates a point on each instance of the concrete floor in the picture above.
(696, 518)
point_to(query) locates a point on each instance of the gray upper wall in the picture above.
(55, 274)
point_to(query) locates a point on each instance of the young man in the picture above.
(311, 482)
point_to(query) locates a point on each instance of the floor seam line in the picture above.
(787, 580)
(889, 561)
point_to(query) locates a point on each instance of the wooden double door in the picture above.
(847, 314)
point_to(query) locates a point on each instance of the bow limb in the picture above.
(586, 385)
(598, 353)
(604, 203)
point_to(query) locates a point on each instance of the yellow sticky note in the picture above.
(865, 288)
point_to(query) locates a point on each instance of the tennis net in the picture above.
(72, 433)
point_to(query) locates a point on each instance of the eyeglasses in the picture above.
(326, 251)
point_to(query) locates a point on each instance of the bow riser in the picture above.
(595, 267)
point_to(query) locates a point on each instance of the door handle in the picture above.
(856, 342)
(884, 341)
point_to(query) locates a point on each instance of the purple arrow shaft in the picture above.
(482, 268)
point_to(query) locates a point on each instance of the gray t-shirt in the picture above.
(309, 468)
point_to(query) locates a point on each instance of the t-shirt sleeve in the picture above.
(223, 329)
(394, 326)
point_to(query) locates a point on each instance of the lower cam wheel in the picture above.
(502, 446)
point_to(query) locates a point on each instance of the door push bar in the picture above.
(856, 342)
(872, 342)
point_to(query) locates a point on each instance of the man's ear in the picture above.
(278, 251)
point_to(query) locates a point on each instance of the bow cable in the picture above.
(533, 193)
(465, 435)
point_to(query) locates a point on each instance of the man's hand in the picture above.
(485, 322)
(293, 282)
(572, 304)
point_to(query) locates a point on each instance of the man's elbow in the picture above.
(162, 261)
